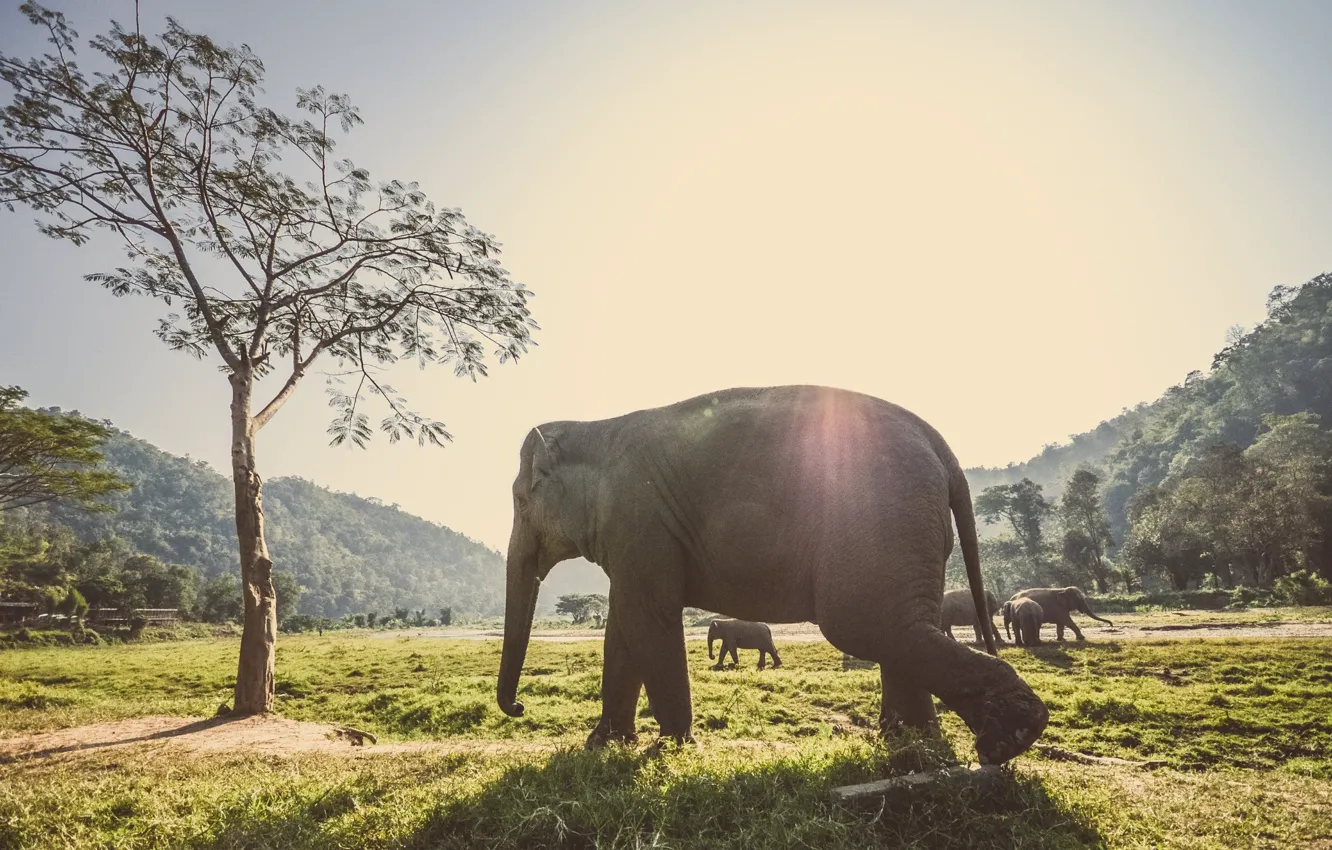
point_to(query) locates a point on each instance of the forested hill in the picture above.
(1283, 366)
(349, 554)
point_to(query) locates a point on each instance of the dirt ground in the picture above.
(1190, 624)
(268, 734)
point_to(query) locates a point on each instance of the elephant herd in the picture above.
(1026, 611)
(769, 504)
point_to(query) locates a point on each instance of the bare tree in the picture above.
(166, 147)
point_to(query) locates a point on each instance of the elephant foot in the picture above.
(716, 667)
(669, 742)
(1011, 728)
(1080, 637)
(1006, 718)
(603, 736)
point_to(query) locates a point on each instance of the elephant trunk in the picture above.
(712, 635)
(519, 607)
(1088, 612)
(1008, 619)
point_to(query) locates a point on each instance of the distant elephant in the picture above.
(957, 609)
(780, 504)
(742, 634)
(1056, 602)
(1027, 615)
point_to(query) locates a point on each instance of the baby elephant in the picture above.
(959, 609)
(742, 634)
(1027, 615)
(1056, 604)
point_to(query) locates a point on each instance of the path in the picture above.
(808, 632)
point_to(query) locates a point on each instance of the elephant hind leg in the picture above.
(1000, 709)
(905, 704)
(762, 659)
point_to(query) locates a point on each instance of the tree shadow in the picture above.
(183, 729)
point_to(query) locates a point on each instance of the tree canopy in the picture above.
(46, 456)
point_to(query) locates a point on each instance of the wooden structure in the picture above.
(13, 613)
(118, 617)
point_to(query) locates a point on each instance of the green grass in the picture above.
(1243, 727)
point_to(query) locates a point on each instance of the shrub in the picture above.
(300, 623)
(1303, 587)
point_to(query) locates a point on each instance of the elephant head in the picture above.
(548, 523)
(1077, 601)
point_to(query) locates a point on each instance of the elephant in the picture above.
(776, 504)
(957, 609)
(742, 634)
(1056, 602)
(1027, 615)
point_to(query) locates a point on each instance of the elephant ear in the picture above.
(543, 456)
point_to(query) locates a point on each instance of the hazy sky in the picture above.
(1014, 219)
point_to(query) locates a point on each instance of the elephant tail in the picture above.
(959, 499)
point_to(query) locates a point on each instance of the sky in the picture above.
(1013, 219)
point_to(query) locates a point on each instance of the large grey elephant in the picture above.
(958, 609)
(742, 634)
(780, 504)
(1056, 603)
(1026, 615)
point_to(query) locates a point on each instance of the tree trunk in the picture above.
(254, 675)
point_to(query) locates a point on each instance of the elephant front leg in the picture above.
(721, 657)
(1077, 632)
(656, 642)
(762, 658)
(620, 686)
(776, 659)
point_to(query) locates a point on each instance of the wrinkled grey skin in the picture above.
(957, 609)
(742, 634)
(1057, 602)
(776, 504)
(1026, 614)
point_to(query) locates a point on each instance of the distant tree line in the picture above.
(44, 563)
(1224, 482)
(1256, 518)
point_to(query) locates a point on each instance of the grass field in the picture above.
(1239, 733)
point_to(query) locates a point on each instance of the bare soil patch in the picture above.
(267, 734)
